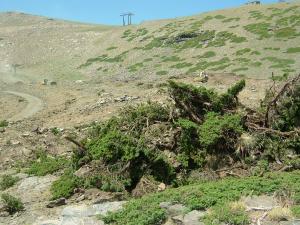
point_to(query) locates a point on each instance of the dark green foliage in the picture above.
(296, 211)
(219, 132)
(260, 29)
(146, 210)
(135, 67)
(243, 51)
(220, 17)
(181, 65)
(3, 123)
(11, 203)
(111, 48)
(45, 164)
(203, 65)
(173, 58)
(114, 146)
(207, 54)
(293, 50)
(189, 144)
(7, 181)
(236, 19)
(162, 72)
(224, 214)
(287, 32)
(65, 185)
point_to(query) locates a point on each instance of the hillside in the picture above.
(255, 42)
(117, 125)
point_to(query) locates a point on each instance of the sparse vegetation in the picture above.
(293, 50)
(11, 203)
(7, 181)
(45, 164)
(3, 123)
(162, 72)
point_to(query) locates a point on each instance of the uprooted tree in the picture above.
(152, 142)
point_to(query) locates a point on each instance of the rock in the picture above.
(48, 222)
(93, 210)
(26, 152)
(165, 205)
(260, 202)
(15, 142)
(81, 221)
(35, 188)
(80, 198)
(176, 209)
(57, 202)
(193, 217)
(26, 134)
(178, 220)
(2, 129)
(83, 171)
(161, 187)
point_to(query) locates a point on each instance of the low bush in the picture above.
(11, 203)
(3, 123)
(45, 164)
(65, 185)
(8, 181)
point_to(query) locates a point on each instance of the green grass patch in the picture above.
(45, 164)
(8, 181)
(234, 19)
(148, 60)
(243, 51)
(162, 72)
(173, 58)
(293, 50)
(65, 185)
(260, 29)
(271, 49)
(111, 48)
(220, 17)
(208, 54)
(181, 65)
(240, 69)
(146, 210)
(203, 65)
(296, 211)
(279, 63)
(3, 123)
(136, 67)
(11, 204)
(287, 32)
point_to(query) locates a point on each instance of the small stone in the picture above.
(193, 217)
(178, 220)
(177, 209)
(80, 198)
(15, 142)
(165, 205)
(161, 187)
(57, 202)
(2, 129)
(25, 134)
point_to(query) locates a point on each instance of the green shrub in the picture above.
(45, 164)
(287, 32)
(219, 131)
(207, 54)
(8, 181)
(296, 211)
(111, 48)
(3, 123)
(65, 185)
(225, 214)
(260, 29)
(293, 50)
(181, 65)
(243, 51)
(114, 146)
(162, 72)
(11, 203)
(146, 210)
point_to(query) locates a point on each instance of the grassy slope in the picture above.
(146, 211)
(250, 40)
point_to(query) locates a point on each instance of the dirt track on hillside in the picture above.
(34, 105)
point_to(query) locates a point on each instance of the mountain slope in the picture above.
(250, 40)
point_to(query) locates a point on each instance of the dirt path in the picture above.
(34, 105)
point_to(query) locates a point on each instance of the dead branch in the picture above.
(189, 110)
(265, 130)
(281, 93)
(81, 148)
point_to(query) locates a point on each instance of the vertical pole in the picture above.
(128, 22)
(123, 20)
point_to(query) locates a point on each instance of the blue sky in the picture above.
(108, 11)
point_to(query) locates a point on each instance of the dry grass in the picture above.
(280, 214)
